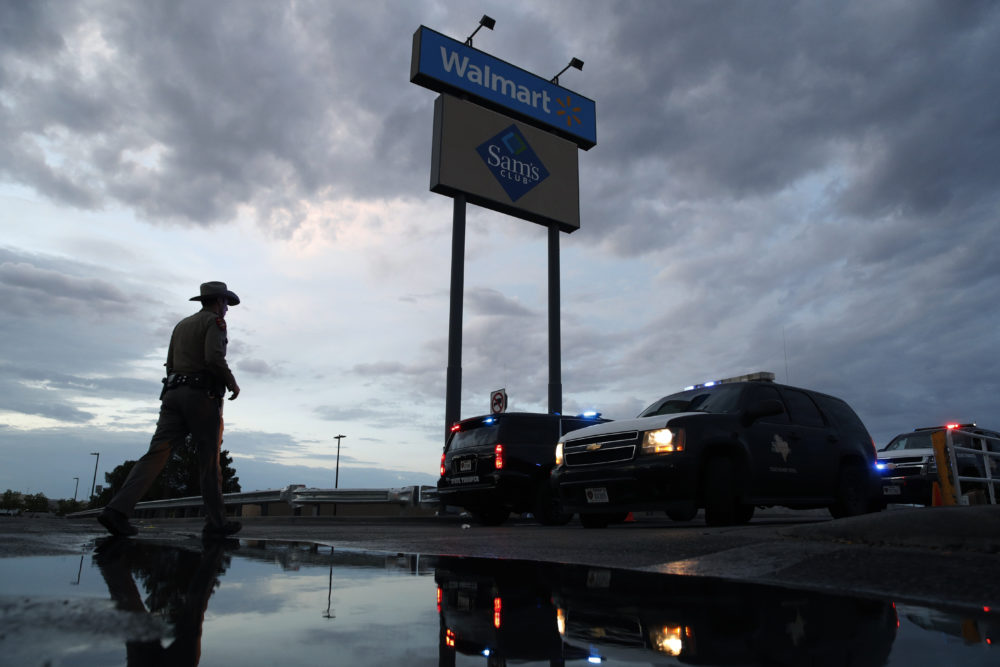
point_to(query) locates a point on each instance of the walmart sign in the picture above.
(448, 66)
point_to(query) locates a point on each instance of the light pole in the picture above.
(336, 479)
(76, 488)
(94, 483)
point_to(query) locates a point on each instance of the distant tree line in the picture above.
(38, 502)
(179, 479)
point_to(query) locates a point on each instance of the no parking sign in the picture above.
(498, 401)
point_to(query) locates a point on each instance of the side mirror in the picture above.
(762, 409)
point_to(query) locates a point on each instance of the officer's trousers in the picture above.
(183, 410)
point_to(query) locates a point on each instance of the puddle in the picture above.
(140, 602)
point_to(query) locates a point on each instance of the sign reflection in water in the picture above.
(263, 603)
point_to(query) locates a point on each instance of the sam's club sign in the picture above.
(513, 162)
(446, 65)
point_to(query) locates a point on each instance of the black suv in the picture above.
(498, 464)
(724, 446)
(909, 469)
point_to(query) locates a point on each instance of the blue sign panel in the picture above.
(512, 162)
(446, 65)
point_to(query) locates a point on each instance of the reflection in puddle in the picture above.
(142, 602)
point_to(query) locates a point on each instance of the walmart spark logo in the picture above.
(567, 109)
(513, 162)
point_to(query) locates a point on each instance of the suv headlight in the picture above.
(663, 441)
(559, 453)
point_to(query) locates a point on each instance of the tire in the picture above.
(685, 513)
(852, 492)
(547, 510)
(722, 494)
(595, 520)
(491, 517)
(744, 513)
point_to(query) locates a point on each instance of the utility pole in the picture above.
(336, 479)
(76, 488)
(94, 483)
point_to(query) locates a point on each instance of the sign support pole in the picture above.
(453, 387)
(555, 347)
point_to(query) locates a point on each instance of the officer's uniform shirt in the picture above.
(198, 344)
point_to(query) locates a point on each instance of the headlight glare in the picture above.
(559, 453)
(662, 441)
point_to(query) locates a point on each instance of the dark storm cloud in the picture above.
(71, 332)
(191, 110)
(730, 101)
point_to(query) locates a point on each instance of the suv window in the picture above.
(909, 441)
(760, 392)
(723, 399)
(843, 416)
(475, 436)
(803, 410)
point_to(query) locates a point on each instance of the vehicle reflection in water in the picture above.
(144, 602)
(526, 611)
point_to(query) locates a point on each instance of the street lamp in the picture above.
(485, 22)
(336, 479)
(76, 488)
(575, 63)
(94, 483)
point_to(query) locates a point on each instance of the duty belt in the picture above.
(196, 380)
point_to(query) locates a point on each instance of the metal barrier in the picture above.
(946, 456)
(293, 496)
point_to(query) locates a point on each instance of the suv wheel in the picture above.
(684, 512)
(492, 516)
(722, 494)
(595, 520)
(852, 498)
(547, 510)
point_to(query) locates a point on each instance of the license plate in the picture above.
(597, 495)
(465, 466)
(891, 490)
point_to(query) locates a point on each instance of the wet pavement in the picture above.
(148, 601)
(388, 592)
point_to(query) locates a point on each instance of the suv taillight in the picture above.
(442, 464)
(498, 461)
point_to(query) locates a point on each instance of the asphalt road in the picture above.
(941, 555)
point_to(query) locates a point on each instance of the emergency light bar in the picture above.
(762, 376)
(950, 426)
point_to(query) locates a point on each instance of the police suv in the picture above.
(497, 464)
(909, 468)
(725, 446)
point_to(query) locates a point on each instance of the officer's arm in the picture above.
(215, 356)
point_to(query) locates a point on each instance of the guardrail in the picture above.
(949, 475)
(293, 497)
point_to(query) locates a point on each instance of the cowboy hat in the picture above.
(215, 289)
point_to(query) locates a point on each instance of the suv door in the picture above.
(770, 440)
(814, 447)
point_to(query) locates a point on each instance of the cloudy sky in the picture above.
(809, 188)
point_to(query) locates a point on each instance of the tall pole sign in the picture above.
(507, 140)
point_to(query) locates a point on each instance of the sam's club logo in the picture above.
(513, 162)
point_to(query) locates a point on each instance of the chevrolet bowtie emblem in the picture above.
(593, 446)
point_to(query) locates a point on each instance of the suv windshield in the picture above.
(722, 399)
(480, 436)
(910, 441)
